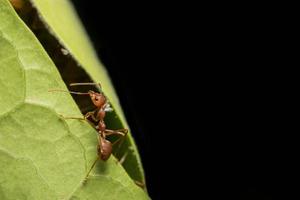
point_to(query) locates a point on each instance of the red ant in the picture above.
(104, 147)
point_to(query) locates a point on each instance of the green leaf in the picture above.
(65, 25)
(43, 156)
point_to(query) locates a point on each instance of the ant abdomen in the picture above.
(105, 150)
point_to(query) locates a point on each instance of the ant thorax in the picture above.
(101, 112)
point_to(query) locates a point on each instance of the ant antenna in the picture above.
(74, 84)
(79, 93)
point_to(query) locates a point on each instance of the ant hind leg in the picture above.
(122, 133)
(93, 165)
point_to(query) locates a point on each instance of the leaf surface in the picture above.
(42, 155)
(65, 25)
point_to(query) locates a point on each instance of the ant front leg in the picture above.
(92, 115)
(86, 116)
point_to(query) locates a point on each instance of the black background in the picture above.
(203, 114)
(133, 46)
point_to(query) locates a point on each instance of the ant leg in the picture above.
(93, 165)
(120, 132)
(92, 115)
(88, 173)
(140, 184)
(80, 118)
(86, 116)
(121, 161)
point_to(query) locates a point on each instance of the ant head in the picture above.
(98, 99)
